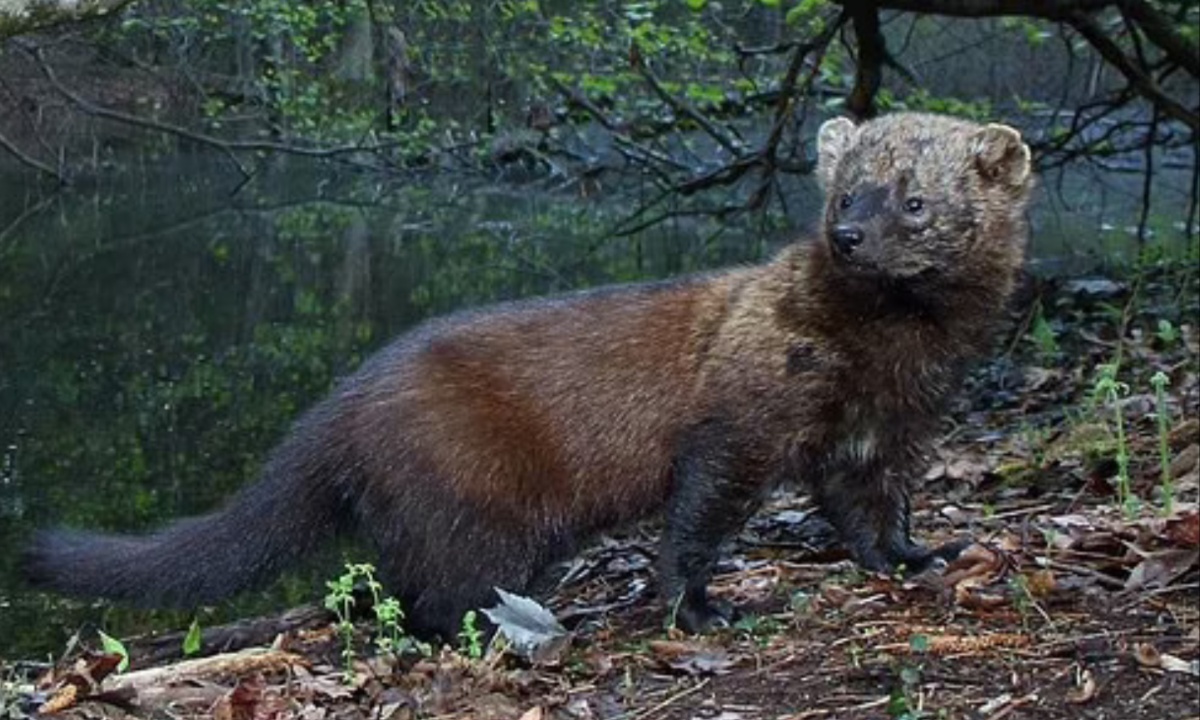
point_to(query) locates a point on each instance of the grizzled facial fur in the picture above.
(913, 196)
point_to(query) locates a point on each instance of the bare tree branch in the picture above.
(1086, 26)
(1078, 14)
(872, 51)
(1161, 31)
(30, 161)
(765, 157)
(1058, 10)
(685, 109)
(1147, 179)
(229, 147)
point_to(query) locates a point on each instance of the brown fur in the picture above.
(475, 451)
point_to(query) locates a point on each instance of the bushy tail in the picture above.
(295, 505)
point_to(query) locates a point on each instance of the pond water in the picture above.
(159, 331)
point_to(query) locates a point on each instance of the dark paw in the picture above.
(702, 617)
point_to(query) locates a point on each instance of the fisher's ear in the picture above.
(1001, 156)
(833, 139)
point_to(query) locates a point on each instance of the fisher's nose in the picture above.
(846, 238)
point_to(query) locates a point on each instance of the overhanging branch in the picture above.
(1086, 26)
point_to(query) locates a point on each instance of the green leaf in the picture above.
(697, 4)
(114, 646)
(919, 643)
(191, 642)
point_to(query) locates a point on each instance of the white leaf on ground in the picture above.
(531, 630)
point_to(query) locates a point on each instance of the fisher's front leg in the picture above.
(869, 506)
(719, 482)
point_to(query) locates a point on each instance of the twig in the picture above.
(31, 161)
(1086, 26)
(776, 49)
(685, 108)
(1148, 178)
(653, 711)
(580, 99)
(1144, 596)
(1034, 509)
(1013, 705)
(29, 212)
(1161, 31)
(1100, 577)
(765, 156)
(229, 147)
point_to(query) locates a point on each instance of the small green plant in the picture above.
(919, 643)
(760, 628)
(193, 640)
(673, 612)
(1036, 439)
(800, 602)
(905, 702)
(340, 599)
(1167, 333)
(1043, 336)
(854, 652)
(390, 637)
(1110, 389)
(1022, 598)
(389, 619)
(1160, 381)
(471, 637)
(114, 646)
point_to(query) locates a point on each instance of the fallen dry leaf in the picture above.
(1184, 530)
(1158, 569)
(1186, 461)
(1148, 656)
(976, 561)
(1085, 688)
(63, 699)
(1041, 583)
(695, 659)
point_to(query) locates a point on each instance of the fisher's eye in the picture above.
(845, 201)
(914, 205)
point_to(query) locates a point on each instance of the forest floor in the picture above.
(1073, 603)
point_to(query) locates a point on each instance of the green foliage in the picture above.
(1166, 332)
(390, 637)
(1160, 381)
(760, 628)
(808, 14)
(471, 637)
(114, 646)
(919, 643)
(980, 110)
(1042, 334)
(1111, 391)
(1035, 31)
(295, 48)
(194, 639)
(904, 703)
(340, 599)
